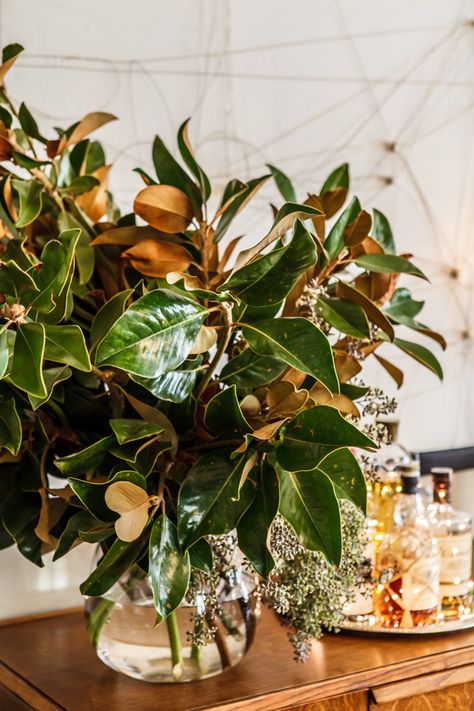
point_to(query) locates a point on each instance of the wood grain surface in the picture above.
(454, 698)
(56, 659)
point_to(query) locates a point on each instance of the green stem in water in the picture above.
(175, 645)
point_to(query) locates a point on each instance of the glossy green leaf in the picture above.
(382, 231)
(309, 503)
(20, 517)
(420, 354)
(4, 353)
(130, 430)
(26, 371)
(242, 194)
(16, 282)
(339, 178)
(297, 342)
(107, 315)
(10, 51)
(201, 557)
(30, 193)
(169, 172)
(154, 335)
(249, 370)
(51, 376)
(208, 503)
(254, 527)
(334, 242)
(270, 278)
(81, 184)
(10, 426)
(373, 312)
(85, 254)
(80, 521)
(315, 433)
(188, 156)
(119, 558)
(223, 413)
(66, 344)
(283, 184)
(284, 221)
(88, 459)
(388, 264)
(93, 495)
(27, 122)
(346, 475)
(354, 392)
(345, 316)
(169, 569)
(57, 258)
(174, 386)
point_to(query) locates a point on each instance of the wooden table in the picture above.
(47, 664)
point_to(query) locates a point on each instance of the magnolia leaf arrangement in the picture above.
(179, 397)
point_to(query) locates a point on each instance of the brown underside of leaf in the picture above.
(155, 259)
(165, 207)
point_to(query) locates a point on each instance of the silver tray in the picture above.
(443, 627)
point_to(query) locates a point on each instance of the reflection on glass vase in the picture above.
(121, 625)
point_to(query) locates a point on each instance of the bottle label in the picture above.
(420, 583)
(456, 557)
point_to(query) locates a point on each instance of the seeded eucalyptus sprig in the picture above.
(180, 390)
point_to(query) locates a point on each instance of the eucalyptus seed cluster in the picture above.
(283, 541)
(309, 593)
(308, 302)
(376, 402)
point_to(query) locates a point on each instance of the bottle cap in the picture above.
(410, 481)
(442, 472)
(442, 479)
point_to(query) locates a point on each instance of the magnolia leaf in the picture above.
(164, 207)
(338, 180)
(119, 558)
(388, 264)
(187, 154)
(283, 184)
(205, 340)
(236, 196)
(10, 426)
(4, 353)
(80, 521)
(359, 230)
(169, 568)
(9, 56)
(308, 502)
(157, 259)
(249, 370)
(66, 344)
(154, 335)
(297, 342)
(51, 376)
(346, 475)
(93, 495)
(374, 314)
(176, 385)
(87, 460)
(382, 231)
(346, 316)
(391, 369)
(201, 556)
(250, 406)
(130, 430)
(283, 222)
(223, 413)
(108, 315)
(90, 123)
(131, 235)
(57, 260)
(253, 529)
(209, 502)
(131, 502)
(81, 184)
(26, 371)
(420, 354)
(16, 282)
(268, 279)
(315, 433)
(151, 414)
(334, 242)
(95, 203)
(194, 287)
(30, 193)
(170, 173)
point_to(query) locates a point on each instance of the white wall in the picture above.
(306, 85)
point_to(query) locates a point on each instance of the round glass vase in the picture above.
(122, 627)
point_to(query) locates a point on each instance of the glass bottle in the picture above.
(408, 563)
(453, 530)
(362, 606)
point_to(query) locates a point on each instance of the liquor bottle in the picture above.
(453, 529)
(408, 563)
(362, 606)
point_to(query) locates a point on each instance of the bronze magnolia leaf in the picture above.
(95, 203)
(157, 259)
(165, 207)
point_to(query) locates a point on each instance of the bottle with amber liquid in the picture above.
(408, 563)
(453, 529)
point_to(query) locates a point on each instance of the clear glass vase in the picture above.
(121, 625)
